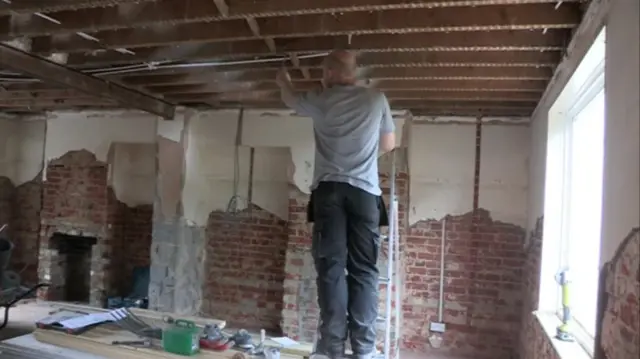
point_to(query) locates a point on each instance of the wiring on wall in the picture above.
(232, 206)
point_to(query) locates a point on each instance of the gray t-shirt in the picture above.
(347, 124)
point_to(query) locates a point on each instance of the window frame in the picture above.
(562, 115)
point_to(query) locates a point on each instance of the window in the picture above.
(573, 195)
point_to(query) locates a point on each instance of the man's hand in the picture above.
(283, 79)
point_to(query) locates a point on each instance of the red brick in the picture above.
(245, 264)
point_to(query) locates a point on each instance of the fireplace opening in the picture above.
(74, 253)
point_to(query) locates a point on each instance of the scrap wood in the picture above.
(98, 342)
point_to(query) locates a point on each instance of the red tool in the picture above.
(217, 345)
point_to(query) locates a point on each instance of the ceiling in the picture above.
(456, 57)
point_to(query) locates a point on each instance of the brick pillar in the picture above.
(177, 246)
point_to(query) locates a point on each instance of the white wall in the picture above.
(8, 148)
(209, 178)
(504, 172)
(442, 165)
(621, 190)
(442, 159)
(21, 149)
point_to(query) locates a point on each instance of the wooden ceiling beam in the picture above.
(498, 86)
(552, 40)
(529, 16)
(45, 6)
(405, 59)
(525, 99)
(23, 62)
(391, 73)
(190, 11)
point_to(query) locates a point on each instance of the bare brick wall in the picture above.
(534, 342)
(300, 310)
(484, 260)
(78, 200)
(75, 202)
(620, 298)
(244, 266)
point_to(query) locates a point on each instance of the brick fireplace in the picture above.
(77, 238)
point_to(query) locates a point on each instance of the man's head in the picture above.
(340, 68)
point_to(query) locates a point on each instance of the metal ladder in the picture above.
(390, 280)
(393, 270)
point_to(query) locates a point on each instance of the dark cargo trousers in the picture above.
(346, 236)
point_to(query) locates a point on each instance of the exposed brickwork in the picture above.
(300, 313)
(25, 225)
(484, 260)
(245, 268)
(76, 202)
(534, 342)
(620, 325)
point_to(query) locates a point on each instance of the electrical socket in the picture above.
(437, 327)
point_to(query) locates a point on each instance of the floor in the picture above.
(22, 318)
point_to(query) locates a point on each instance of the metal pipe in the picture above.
(441, 299)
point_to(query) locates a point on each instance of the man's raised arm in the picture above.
(303, 104)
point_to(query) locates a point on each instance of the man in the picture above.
(352, 124)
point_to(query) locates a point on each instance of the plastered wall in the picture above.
(442, 162)
(21, 149)
(8, 146)
(621, 186)
(284, 151)
(124, 139)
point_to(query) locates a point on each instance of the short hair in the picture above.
(342, 62)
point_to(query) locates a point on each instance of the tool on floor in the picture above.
(128, 321)
(143, 343)
(390, 280)
(563, 331)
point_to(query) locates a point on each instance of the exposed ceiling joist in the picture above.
(49, 71)
(391, 73)
(191, 11)
(552, 40)
(384, 85)
(535, 16)
(393, 95)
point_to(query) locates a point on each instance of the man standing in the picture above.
(352, 125)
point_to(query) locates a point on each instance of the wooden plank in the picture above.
(155, 318)
(145, 314)
(50, 71)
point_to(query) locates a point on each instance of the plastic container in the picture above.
(181, 338)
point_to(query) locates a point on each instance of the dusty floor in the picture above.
(21, 319)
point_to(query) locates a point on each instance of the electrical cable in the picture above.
(164, 65)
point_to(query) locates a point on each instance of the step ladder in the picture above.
(388, 279)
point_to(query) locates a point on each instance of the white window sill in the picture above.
(565, 350)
